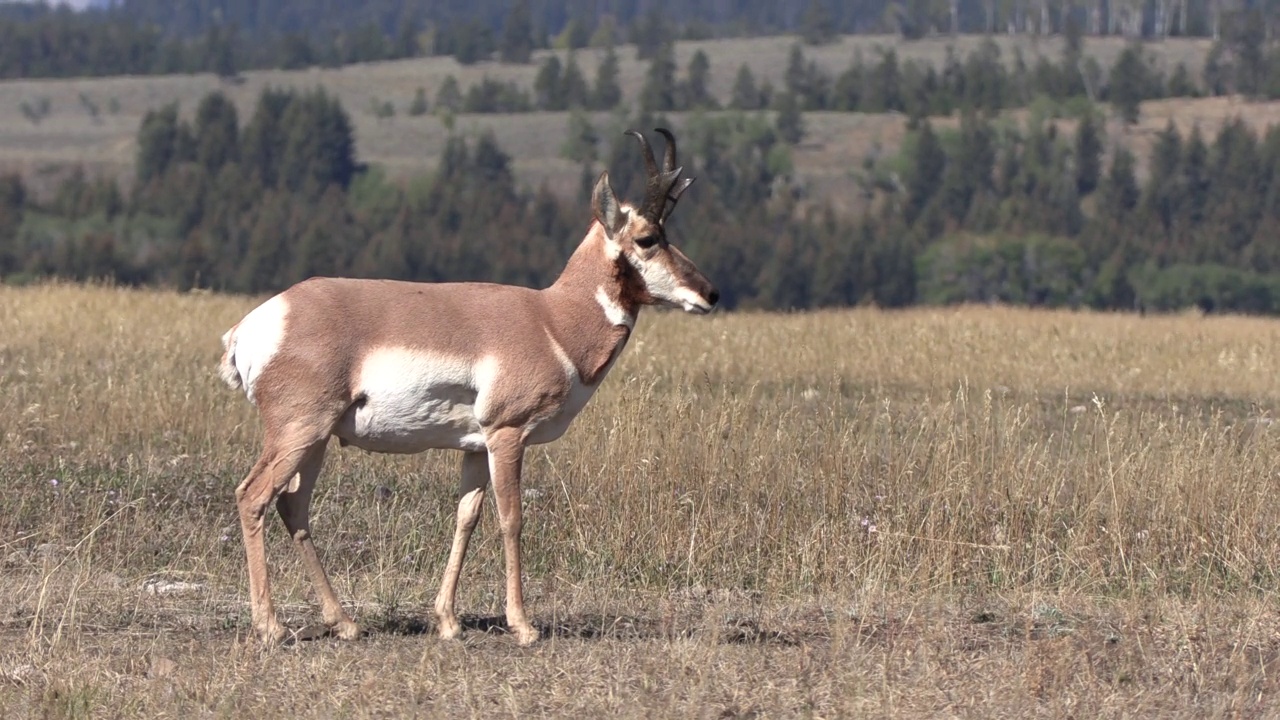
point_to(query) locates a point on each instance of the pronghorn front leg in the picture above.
(506, 457)
(475, 476)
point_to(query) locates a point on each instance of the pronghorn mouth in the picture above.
(699, 307)
(691, 301)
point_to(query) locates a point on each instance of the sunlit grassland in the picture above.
(967, 511)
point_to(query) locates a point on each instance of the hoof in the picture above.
(526, 635)
(449, 628)
(273, 634)
(346, 630)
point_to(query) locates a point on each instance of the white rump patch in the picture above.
(414, 400)
(256, 340)
(613, 311)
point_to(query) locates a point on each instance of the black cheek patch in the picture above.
(633, 286)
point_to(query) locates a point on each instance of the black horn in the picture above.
(669, 159)
(676, 189)
(650, 164)
(656, 182)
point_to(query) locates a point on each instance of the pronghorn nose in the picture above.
(713, 297)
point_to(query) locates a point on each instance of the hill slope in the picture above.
(836, 143)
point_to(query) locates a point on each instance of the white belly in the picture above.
(445, 420)
(410, 402)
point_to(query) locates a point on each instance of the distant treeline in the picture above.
(549, 18)
(1041, 212)
(160, 36)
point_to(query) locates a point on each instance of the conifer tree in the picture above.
(449, 96)
(160, 143)
(419, 104)
(745, 95)
(1162, 194)
(928, 163)
(573, 86)
(263, 139)
(697, 94)
(1088, 154)
(548, 90)
(517, 34)
(658, 93)
(650, 33)
(217, 132)
(581, 142)
(968, 173)
(817, 26)
(790, 120)
(1119, 193)
(607, 93)
(13, 199)
(1248, 41)
(1127, 87)
(319, 144)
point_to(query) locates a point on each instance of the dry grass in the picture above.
(406, 145)
(968, 512)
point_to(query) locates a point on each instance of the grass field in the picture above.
(836, 144)
(973, 512)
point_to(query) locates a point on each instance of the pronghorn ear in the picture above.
(605, 206)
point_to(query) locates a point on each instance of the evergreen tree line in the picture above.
(645, 22)
(221, 36)
(1040, 212)
(64, 43)
(1031, 215)
(983, 79)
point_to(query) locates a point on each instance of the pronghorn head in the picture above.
(656, 272)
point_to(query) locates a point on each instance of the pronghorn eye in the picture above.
(646, 242)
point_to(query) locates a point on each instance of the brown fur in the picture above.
(333, 324)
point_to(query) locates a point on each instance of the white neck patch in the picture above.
(613, 312)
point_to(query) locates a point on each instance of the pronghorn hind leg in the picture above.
(506, 458)
(294, 507)
(273, 472)
(475, 476)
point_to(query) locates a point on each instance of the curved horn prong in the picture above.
(669, 160)
(650, 164)
(674, 196)
(656, 184)
(669, 168)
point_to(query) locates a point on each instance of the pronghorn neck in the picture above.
(594, 305)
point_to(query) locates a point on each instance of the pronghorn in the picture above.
(402, 367)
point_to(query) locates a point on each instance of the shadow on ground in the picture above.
(598, 626)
